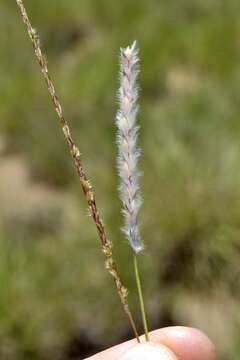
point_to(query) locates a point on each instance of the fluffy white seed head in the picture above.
(128, 151)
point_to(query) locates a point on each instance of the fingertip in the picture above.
(187, 343)
(171, 343)
(148, 351)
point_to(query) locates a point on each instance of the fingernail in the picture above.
(149, 352)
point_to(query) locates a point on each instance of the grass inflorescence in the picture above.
(75, 153)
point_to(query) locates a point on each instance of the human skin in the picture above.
(170, 343)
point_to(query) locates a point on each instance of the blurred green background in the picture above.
(56, 299)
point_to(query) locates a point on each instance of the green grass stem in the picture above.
(141, 299)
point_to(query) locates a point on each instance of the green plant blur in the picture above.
(56, 299)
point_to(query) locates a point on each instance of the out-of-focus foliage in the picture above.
(56, 298)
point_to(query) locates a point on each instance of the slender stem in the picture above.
(140, 294)
(76, 156)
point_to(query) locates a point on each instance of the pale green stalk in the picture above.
(141, 299)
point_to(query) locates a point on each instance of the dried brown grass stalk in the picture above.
(87, 189)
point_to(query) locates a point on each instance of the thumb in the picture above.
(149, 351)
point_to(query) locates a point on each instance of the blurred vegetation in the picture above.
(57, 301)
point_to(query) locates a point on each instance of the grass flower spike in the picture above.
(127, 162)
(127, 145)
